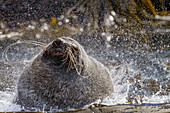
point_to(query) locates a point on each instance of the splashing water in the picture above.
(140, 72)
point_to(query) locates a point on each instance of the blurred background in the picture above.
(130, 37)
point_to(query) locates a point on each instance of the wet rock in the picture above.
(17, 11)
(164, 108)
(144, 108)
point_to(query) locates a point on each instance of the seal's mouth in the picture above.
(58, 53)
(54, 57)
(55, 53)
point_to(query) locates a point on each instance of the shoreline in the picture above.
(123, 108)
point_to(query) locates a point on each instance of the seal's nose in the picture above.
(57, 43)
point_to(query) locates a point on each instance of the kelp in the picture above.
(130, 16)
(124, 17)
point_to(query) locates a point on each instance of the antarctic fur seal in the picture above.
(63, 76)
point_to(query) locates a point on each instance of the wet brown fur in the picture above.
(43, 84)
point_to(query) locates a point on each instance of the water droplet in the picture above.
(124, 20)
(111, 18)
(113, 13)
(109, 38)
(81, 29)
(37, 36)
(60, 23)
(103, 34)
(67, 20)
(62, 16)
(116, 26)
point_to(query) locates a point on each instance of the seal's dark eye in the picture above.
(75, 49)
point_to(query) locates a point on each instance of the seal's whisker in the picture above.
(75, 49)
(71, 62)
(65, 59)
(75, 63)
(5, 52)
(69, 66)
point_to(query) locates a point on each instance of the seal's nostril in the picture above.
(57, 42)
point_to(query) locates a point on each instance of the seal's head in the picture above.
(63, 52)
